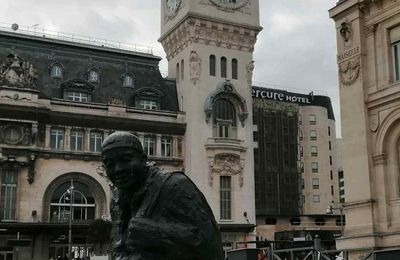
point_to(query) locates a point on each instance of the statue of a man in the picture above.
(156, 215)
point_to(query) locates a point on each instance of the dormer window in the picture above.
(56, 71)
(93, 76)
(147, 104)
(148, 98)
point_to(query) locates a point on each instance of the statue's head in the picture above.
(124, 160)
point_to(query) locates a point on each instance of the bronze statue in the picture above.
(156, 215)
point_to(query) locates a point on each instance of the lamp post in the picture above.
(70, 191)
(329, 211)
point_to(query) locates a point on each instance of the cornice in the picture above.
(195, 28)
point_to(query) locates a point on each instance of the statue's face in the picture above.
(125, 168)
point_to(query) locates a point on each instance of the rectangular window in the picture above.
(316, 198)
(314, 167)
(77, 96)
(225, 197)
(302, 184)
(396, 60)
(314, 151)
(9, 181)
(330, 146)
(147, 104)
(332, 192)
(57, 139)
(300, 135)
(96, 138)
(149, 145)
(331, 176)
(329, 131)
(302, 167)
(166, 146)
(224, 130)
(301, 151)
(313, 119)
(315, 183)
(330, 160)
(313, 135)
(300, 119)
(76, 141)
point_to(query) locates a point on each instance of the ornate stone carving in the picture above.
(349, 71)
(15, 134)
(226, 90)
(195, 66)
(15, 97)
(346, 32)
(225, 164)
(249, 72)
(374, 122)
(209, 33)
(116, 101)
(229, 5)
(17, 72)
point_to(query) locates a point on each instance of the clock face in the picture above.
(172, 6)
(230, 4)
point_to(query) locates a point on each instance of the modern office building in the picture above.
(295, 165)
(368, 40)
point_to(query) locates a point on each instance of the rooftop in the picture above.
(73, 38)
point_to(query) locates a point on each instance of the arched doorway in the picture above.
(71, 203)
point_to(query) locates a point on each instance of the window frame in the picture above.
(149, 144)
(8, 194)
(395, 46)
(212, 63)
(224, 67)
(314, 167)
(225, 197)
(90, 75)
(166, 146)
(313, 135)
(74, 140)
(77, 96)
(235, 70)
(224, 119)
(315, 183)
(94, 143)
(57, 143)
(314, 150)
(313, 119)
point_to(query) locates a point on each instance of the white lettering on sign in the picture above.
(269, 94)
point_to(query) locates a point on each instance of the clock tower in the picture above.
(209, 46)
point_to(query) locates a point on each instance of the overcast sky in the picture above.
(295, 51)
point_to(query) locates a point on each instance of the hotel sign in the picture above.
(281, 96)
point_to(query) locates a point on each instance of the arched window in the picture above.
(212, 65)
(224, 119)
(223, 67)
(78, 200)
(177, 72)
(182, 69)
(234, 69)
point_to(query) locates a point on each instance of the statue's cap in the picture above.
(121, 139)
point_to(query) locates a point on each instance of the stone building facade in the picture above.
(368, 35)
(58, 101)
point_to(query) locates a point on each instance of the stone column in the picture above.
(86, 140)
(67, 138)
(158, 145)
(47, 137)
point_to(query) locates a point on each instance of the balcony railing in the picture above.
(76, 38)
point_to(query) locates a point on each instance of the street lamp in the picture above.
(70, 191)
(329, 211)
